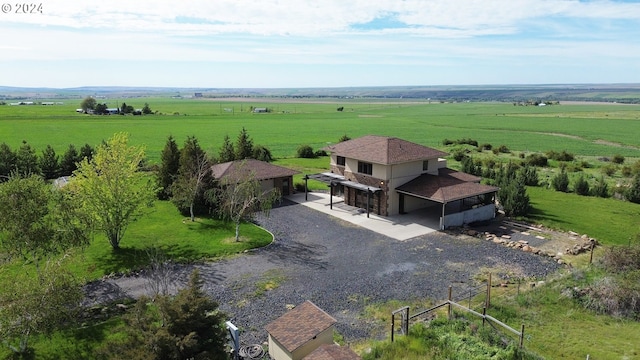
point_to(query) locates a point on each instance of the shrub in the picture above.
(626, 171)
(320, 153)
(299, 186)
(344, 138)
(503, 149)
(305, 152)
(262, 153)
(581, 186)
(617, 159)
(560, 182)
(459, 155)
(485, 146)
(446, 142)
(560, 156)
(633, 193)
(600, 189)
(609, 169)
(530, 175)
(536, 160)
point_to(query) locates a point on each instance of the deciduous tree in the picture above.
(111, 189)
(240, 195)
(194, 179)
(88, 103)
(38, 304)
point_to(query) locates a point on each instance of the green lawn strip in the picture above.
(163, 228)
(611, 221)
(557, 327)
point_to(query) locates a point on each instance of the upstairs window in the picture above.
(340, 160)
(365, 168)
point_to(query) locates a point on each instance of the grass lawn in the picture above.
(163, 228)
(611, 221)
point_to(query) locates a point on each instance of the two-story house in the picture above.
(390, 176)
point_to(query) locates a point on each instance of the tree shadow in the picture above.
(538, 214)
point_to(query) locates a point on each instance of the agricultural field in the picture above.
(587, 130)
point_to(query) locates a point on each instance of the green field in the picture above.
(593, 130)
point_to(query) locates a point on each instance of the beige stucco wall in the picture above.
(277, 351)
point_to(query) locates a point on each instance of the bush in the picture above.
(299, 187)
(501, 149)
(459, 155)
(609, 169)
(536, 160)
(485, 146)
(305, 152)
(560, 156)
(530, 175)
(581, 186)
(344, 138)
(617, 159)
(320, 153)
(560, 182)
(262, 153)
(633, 193)
(600, 189)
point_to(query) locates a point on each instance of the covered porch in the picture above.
(365, 197)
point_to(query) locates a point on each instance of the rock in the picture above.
(584, 237)
(524, 242)
(497, 240)
(561, 262)
(472, 233)
(525, 233)
(539, 237)
(122, 307)
(506, 236)
(573, 233)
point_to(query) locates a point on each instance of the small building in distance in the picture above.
(299, 332)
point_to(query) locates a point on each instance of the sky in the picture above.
(318, 43)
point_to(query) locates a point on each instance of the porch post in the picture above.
(368, 199)
(444, 204)
(306, 184)
(331, 195)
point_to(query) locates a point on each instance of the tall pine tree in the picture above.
(227, 153)
(49, 163)
(169, 165)
(244, 146)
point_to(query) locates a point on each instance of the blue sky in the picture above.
(319, 43)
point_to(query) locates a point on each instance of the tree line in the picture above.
(90, 105)
(24, 161)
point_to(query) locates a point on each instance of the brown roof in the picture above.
(448, 185)
(332, 352)
(262, 170)
(300, 325)
(384, 150)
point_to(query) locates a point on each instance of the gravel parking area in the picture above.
(341, 268)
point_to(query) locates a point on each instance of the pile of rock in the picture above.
(522, 245)
(585, 243)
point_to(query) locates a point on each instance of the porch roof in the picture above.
(449, 185)
(332, 178)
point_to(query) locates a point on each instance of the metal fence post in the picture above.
(449, 311)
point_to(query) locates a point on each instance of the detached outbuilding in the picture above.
(332, 352)
(299, 332)
(270, 176)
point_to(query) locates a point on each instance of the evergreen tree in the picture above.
(146, 109)
(227, 153)
(601, 189)
(26, 160)
(86, 152)
(169, 165)
(7, 161)
(530, 174)
(560, 182)
(50, 163)
(633, 193)
(69, 161)
(513, 193)
(581, 186)
(244, 146)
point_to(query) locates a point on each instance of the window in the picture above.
(365, 168)
(425, 165)
(340, 160)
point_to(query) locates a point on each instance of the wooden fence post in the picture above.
(488, 300)
(449, 311)
(484, 315)
(521, 336)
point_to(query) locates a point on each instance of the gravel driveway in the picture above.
(339, 267)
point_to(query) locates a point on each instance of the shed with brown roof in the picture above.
(270, 176)
(300, 331)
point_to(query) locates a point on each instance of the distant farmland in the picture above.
(589, 130)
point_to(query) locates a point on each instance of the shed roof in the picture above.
(332, 352)
(262, 170)
(384, 150)
(448, 185)
(300, 325)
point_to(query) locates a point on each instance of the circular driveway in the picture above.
(342, 268)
